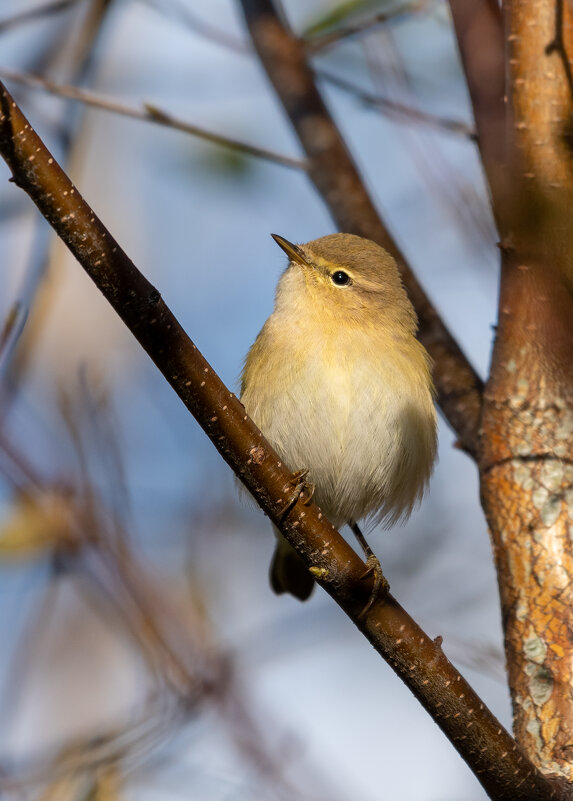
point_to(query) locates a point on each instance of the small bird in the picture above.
(340, 386)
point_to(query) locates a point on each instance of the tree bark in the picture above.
(526, 454)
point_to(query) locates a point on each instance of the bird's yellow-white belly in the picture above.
(354, 418)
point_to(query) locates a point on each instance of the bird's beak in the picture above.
(293, 251)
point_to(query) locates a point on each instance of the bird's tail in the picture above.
(288, 573)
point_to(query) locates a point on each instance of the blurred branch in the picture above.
(19, 472)
(337, 180)
(150, 113)
(13, 351)
(399, 110)
(166, 622)
(33, 14)
(444, 183)
(419, 661)
(79, 51)
(74, 59)
(198, 25)
(313, 42)
(155, 114)
(318, 42)
(479, 32)
(11, 329)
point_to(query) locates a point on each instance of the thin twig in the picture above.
(155, 114)
(419, 661)
(78, 54)
(443, 182)
(318, 42)
(151, 113)
(393, 108)
(11, 330)
(33, 14)
(198, 25)
(479, 31)
(15, 325)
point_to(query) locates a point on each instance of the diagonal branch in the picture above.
(419, 661)
(337, 180)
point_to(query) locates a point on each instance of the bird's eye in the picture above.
(340, 278)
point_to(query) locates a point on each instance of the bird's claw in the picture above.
(302, 490)
(380, 587)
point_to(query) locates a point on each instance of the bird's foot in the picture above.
(380, 587)
(302, 490)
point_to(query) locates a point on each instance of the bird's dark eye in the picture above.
(340, 278)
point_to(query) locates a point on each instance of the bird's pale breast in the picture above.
(358, 417)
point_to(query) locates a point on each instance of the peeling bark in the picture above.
(527, 491)
(526, 439)
(526, 453)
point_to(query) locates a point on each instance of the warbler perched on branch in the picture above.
(340, 386)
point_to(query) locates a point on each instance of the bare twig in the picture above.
(479, 32)
(18, 316)
(389, 72)
(189, 666)
(418, 660)
(197, 24)
(151, 113)
(155, 114)
(318, 42)
(75, 59)
(32, 14)
(393, 108)
(11, 330)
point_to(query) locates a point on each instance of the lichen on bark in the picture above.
(526, 464)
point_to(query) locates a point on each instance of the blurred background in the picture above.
(144, 655)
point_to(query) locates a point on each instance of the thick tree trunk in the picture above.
(526, 459)
(527, 490)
